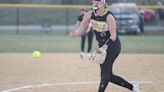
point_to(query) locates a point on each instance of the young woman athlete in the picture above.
(104, 25)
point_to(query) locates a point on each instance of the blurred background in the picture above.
(26, 25)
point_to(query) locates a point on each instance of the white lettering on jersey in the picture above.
(99, 26)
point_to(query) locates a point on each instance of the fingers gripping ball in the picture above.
(36, 54)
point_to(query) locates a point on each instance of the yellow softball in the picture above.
(36, 54)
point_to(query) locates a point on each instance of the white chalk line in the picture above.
(66, 83)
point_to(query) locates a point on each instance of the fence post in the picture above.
(17, 20)
(67, 21)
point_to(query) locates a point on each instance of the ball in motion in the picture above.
(36, 54)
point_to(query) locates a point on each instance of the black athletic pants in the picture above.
(107, 68)
(90, 39)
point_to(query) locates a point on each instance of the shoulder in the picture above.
(110, 19)
(110, 16)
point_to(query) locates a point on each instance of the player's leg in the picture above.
(83, 37)
(103, 83)
(90, 39)
(116, 79)
(121, 82)
(107, 74)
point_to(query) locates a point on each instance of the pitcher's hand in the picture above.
(73, 34)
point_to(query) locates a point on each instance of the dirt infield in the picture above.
(20, 72)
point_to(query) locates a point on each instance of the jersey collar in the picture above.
(101, 14)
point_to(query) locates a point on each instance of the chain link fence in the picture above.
(38, 18)
(41, 19)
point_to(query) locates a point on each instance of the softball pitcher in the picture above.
(104, 26)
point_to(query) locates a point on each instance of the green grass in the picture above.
(11, 43)
(142, 44)
(44, 43)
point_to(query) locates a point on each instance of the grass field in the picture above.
(11, 42)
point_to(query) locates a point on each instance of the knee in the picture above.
(107, 77)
